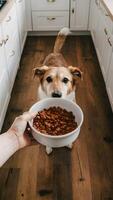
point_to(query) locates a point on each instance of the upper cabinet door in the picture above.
(21, 17)
(79, 14)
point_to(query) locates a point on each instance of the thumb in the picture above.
(28, 115)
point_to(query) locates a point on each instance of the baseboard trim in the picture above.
(54, 33)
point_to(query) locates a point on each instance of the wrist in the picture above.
(14, 139)
(8, 146)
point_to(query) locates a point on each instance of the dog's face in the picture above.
(57, 81)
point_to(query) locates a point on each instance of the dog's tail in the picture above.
(60, 40)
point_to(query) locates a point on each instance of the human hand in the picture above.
(21, 129)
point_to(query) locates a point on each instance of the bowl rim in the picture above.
(59, 136)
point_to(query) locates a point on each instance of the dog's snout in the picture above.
(57, 94)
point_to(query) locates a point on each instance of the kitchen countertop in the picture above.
(109, 7)
(5, 9)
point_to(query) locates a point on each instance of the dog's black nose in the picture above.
(57, 94)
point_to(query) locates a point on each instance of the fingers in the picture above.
(29, 137)
(28, 116)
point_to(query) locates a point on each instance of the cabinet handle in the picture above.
(105, 31)
(7, 38)
(13, 53)
(97, 3)
(107, 15)
(73, 10)
(51, 18)
(51, 1)
(109, 42)
(1, 43)
(9, 19)
(19, 1)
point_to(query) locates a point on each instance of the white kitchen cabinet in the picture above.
(101, 27)
(4, 81)
(12, 46)
(50, 15)
(21, 18)
(79, 15)
(109, 85)
(12, 37)
(106, 37)
(46, 14)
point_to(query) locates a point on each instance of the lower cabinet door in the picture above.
(106, 56)
(79, 15)
(21, 18)
(4, 96)
(13, 57)
(109, 85)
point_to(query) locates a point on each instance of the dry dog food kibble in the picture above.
(54, 121)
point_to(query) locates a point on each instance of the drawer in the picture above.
(50, 21)
(50, 5)
(9, 25)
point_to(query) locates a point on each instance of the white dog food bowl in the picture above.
(62, 140)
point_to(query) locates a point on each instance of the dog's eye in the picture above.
(49, 79)
(65, 80)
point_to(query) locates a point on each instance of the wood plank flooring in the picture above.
(86, 171)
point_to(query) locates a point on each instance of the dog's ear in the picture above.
(76, 72)
(40, 71)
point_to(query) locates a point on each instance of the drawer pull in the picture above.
(51, 1)
(105, 31)
(73, 10)
(9, 19)
(7, 38)
(51, 18)
(109, 42)
(13, 53)
(97, 3)
(1, 43)
(107, 15)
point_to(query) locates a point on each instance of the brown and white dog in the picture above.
(56, 78)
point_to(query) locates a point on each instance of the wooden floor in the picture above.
(86, 172)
